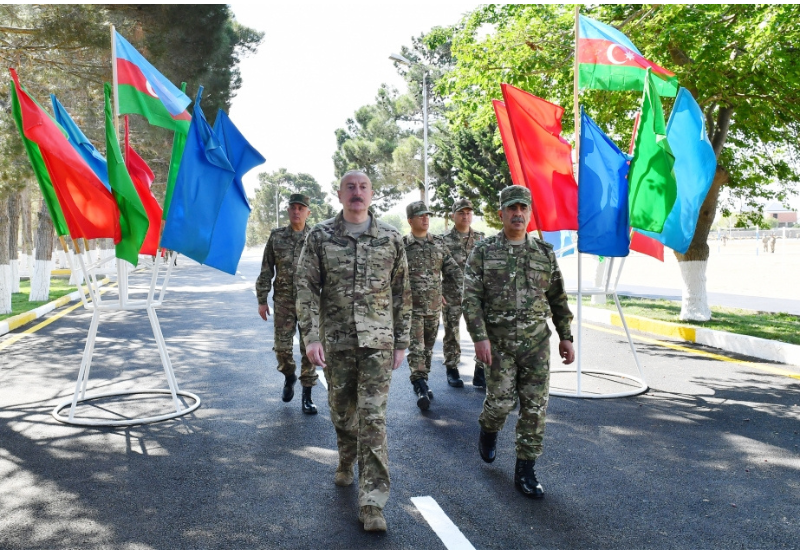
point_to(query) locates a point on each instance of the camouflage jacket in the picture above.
(509, 291)
(459, 247)
(354, 293)
(427, 263)
(280, 255)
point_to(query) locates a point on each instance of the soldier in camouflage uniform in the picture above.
(460, 241)
(428, 261)
(354, 302)
(512, 284)
(280, 260)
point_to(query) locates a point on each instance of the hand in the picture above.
(397, 359)
(444, 302)
(566, 351)
(316, 354)
(263, 310)
(483, 351)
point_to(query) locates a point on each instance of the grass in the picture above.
(19, 300)
(782, 327)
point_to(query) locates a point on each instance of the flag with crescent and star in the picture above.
(608, 60)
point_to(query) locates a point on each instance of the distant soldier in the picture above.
(354, 302)
(280, 260)
(772, 240)
(765, 240)
(512, 284)
(460, 241)
(428, 260)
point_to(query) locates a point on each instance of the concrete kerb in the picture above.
(761, 348)
(13, 323)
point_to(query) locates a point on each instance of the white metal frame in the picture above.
(608, 286)
(123, 303)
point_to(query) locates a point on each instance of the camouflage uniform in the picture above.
(509, 292)
(354, 297)
(280, 260)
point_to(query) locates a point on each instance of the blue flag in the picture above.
(203, 180)
(80, 143)
(695, 166)
(603, 226)
(230, 231)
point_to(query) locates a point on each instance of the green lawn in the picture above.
(19, 300)
(772, 326)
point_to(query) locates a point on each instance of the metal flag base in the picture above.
(128, 421)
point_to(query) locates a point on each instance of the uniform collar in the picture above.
(340, 231)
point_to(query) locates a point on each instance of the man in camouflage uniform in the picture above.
(460, 241)
(512, 284)
(428, 260)
(280, 260)
(354, 302)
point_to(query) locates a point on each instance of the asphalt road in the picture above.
(707, 458)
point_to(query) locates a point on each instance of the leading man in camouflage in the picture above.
(428, 261)
(512, 284)
(280, 261)
(354, 302)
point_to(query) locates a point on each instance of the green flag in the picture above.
(178, 143)
(40, 170)
(133, 220)
(653, 188)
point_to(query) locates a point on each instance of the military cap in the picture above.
(416, 208)
(514, 194)
(461, 204)
(299, 198)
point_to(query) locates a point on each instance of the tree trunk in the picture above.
(43, 265)
(5, 268)
(13, 238)
(694, 302)
(27, 232)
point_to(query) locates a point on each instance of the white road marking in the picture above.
(322, 380)
(444, 528)
(243, 277)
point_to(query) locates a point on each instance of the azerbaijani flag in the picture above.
(608, 60)
(142, 90)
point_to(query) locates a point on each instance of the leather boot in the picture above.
(288, 388)
(308, 406)
(454, 379)
(479, 378)
(372, 518)
(525, 479)
(344, 475)
(487, 446)
(421, 389)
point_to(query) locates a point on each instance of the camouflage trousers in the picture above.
(285, 321)
(519, 372)
(424, 329)
(358, 390)
(451, 343)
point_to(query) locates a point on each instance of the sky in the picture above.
(316, 65)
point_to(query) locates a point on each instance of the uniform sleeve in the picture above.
(401, 298)
(454, 279)
(557, 298)
(264, 281)
(472, 302)
(308, 279)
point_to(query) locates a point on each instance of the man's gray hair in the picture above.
(351, 173)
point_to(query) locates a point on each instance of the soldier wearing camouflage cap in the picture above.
(512, 284)
(428, 261)
(460, 240)
(354, 303)
(280, 261)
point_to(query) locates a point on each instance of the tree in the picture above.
(739, 61)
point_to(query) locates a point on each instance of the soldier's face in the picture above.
(298, 214)
(463, 219)
(355, 193)
(516, 217)
(419, 224)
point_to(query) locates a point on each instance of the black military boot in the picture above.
(525, 479)
(421, 389)
(479, 378)
(487, 446)
(288, 388)
(454, 379)
(308, 406)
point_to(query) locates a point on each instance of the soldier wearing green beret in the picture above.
(280, 261)
(512, 284)
(428, 261)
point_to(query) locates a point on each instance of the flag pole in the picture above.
(577, 149)
(114, 80)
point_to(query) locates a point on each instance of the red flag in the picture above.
(545, 157)
(89, 208)
(510, 149)
(143, 178)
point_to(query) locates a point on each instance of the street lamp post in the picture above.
(405, 61)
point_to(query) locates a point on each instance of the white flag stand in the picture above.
(123, 303)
